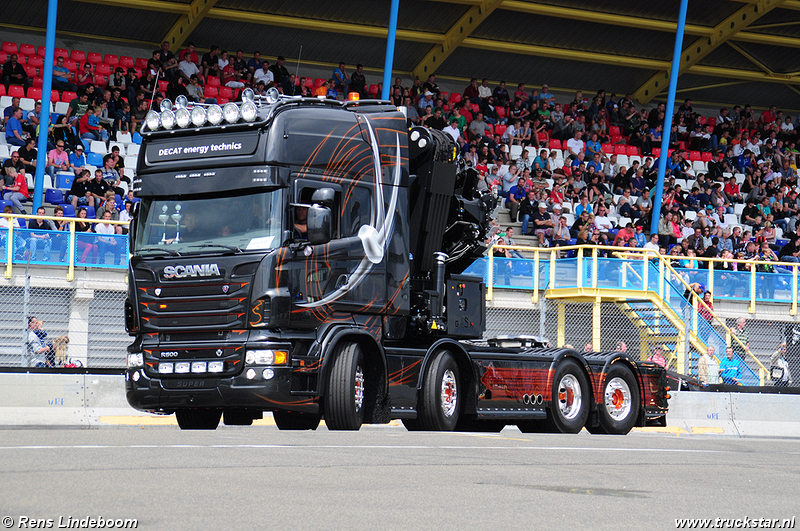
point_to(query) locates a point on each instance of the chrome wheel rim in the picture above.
(618, 398)
(359, 388)
(570, 397)
(449, 393)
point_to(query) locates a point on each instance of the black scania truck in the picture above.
(305, 257)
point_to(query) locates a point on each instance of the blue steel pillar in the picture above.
(673, 85)
(387, 66)
(44, 119)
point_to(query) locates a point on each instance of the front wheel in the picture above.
(440, 404)
(344, 401)
(620, 408)
(569, 404)
(198, 419)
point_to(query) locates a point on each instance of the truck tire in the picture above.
(569, 405)
(620, 401)
(198, 419)
(344, 402)
(288, 420)
(440, 404)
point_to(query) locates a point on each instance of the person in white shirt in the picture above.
(108, 243)
(602, 224)
(653, 243)
(454, 131)
(575, 145)
(186, 68)
(265, 75)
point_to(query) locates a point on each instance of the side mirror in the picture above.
(319, 225)
(324, 197)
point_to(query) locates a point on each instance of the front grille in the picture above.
(194, 305)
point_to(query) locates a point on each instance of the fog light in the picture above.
(182, 367)
(231, 113)
(135, 360)
(250, 374)
(136, 376)
(167, 119)
(268, 374)
(216, 366)
(183, 117)
(166, 368)
(198, 366)
(214, 114)
(152, 120)
(249, 111)
(198, 116)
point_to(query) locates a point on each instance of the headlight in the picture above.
(136, 360)
(183, 118)
(259, 357)
(167, 119)
(152, 120)
(231, 112)
(216, 366)
(166, 368)
(198, 116)
(182, 367)
(214, 114)
(249, 111)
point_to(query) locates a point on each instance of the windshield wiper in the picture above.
(161, 249)
(228, 247)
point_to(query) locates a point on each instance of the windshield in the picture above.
(183, 226)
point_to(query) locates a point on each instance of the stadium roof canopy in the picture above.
(734, 51)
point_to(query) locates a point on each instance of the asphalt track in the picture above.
(386, 478)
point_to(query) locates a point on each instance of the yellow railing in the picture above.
(12, 226)
(665, 269)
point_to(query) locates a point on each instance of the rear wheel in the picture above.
(569, 405)
(440, 403)
(288, 420)
(198, 419)
(344, 402)
(620, 408)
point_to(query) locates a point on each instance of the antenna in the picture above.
(297, 72)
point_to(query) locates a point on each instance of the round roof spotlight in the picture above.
(249, 111)
(414, 136)
(182, 102)
(248, 95)
(231, 113)
(214, 114)
(153, 120)
(183, 117)
(167, 119)
(422, 143)
(273, 95)
(198, 116)
(166, 105)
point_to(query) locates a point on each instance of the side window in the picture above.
(356, 210)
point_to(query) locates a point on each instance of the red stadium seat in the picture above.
(94, 58)
(455, 97)
(226, 93)
(16, 90)
(30, 70)
(222, 101)
(542, 137)
(27, 50)
(35, 61)
(55, 96)
(2, 90)
(607, 148)
(374, 90)
(110, 59)
(59, 52)
(614, 130)
(213, 81)
(499, 129)
(706, 156)
(701, 120)
(712, 122)
(100, 81)
(163, 85)
(632, 151)
(126, 62)
(103, 69)
(656, 152)
(141, 63)
(35, 93)
(555, 143)
(37, 82)
(695, 155)
(3, 56)
(474, 107)
(68, 96)
(616, 139)
(78, 56)
(10, 47)
(501, 111)
(620, 149)
(70, 65)
(466, 114)
(211, 91)
(309, 82)
(318, 82)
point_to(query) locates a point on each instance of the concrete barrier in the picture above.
(697, 412)
(766, 415)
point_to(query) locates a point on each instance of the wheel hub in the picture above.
(570, 397)
(618, 398)
(359, 388)
(449, 393)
